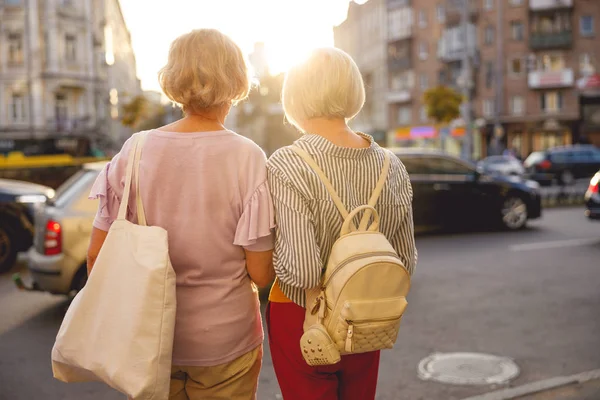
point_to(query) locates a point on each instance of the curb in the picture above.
(539, 386)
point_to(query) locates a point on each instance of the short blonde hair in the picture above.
(205, 69)
(327, 84)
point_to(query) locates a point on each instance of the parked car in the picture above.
(503, 165)
(17, 200)
(592, 198)
(63, 225)
(449, 192)
(563, 164)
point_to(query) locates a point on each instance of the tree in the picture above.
(135, 111)
(443, 104)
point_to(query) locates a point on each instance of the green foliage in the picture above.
(443, 104)
(134, 111)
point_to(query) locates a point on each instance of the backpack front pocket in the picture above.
(368, 325)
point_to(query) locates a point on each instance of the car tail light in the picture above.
(594, 186)
(53, 238)
(545, 164)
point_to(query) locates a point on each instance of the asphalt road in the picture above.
(533, 296)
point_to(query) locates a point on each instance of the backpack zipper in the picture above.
(358, 257)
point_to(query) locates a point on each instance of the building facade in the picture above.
(364, 36)
(61, 62)
(526, 58)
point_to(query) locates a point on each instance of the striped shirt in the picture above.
(307, 221)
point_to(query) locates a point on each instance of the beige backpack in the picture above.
(362, 297)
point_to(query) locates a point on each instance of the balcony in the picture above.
(454, 11)
(551, 79)
(543, 41)
(399, 64)
(399, 96)
(541, 5)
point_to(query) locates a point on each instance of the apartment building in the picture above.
(364, 36)
(533, 81)
(63, 66)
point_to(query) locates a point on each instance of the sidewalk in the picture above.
(583, 386)
(578, 391)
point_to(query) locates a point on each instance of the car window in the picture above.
(74, 186)
(442, 165)
(416, 166)
(583, 156)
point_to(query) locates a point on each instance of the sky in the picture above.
(289, 28)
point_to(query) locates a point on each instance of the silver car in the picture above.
(57, 260)
(503, 165)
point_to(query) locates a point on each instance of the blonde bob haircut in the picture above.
(326, 84)
(205, 69)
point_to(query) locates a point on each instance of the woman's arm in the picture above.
(260, 267)
(96, 242)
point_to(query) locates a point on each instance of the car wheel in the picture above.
(514, 213)
(567, 178)
(8, 250)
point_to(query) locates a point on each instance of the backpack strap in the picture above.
(311, 162)
(377, 192)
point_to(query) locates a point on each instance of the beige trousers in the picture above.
(235, 380)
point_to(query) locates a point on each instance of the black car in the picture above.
(449, 192)
(17, 201)
(563, 164)
(592, 198)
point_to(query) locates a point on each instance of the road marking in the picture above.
(556, 244)
(538, 386)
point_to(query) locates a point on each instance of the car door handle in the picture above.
(441, 186)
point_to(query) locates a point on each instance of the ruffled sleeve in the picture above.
(258, 219)
(108, 207)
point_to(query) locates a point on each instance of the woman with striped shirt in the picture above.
(319, 96)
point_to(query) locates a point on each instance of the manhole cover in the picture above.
(468, 368)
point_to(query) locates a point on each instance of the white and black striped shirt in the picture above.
(308, 223)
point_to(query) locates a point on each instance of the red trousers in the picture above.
(353, 378)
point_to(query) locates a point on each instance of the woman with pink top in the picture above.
(207, 186)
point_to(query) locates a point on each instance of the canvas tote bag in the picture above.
(119, 328)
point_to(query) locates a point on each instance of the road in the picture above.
(532, 295)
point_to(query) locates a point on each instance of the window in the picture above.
(60, 107)
(423, 114)
(15, 48)
(441, 13)
(70, 48)
(439, 165)
(516, 30)
(12, 2)
(552, 62)
(488, 108)
(17, 108)
(404, 116)
(586, 65)
(551, 101)
(422, 19)
(587, 25)
(489, 34)
(488, 4)
(517, 105)
(516, 66)
(489, 74)
(424, 82)
(423, 51)
(516, 2)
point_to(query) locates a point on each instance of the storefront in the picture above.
(446, 139)
(590, 109)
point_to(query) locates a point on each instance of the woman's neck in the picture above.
(211, 120)
(336, 131)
